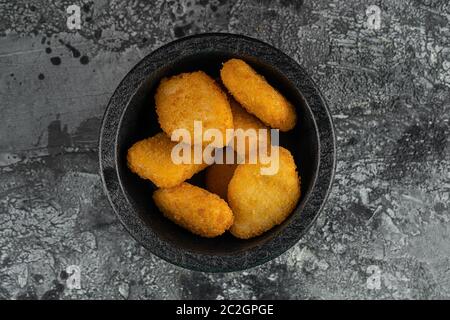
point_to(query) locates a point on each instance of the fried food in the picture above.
(201, 212)
(151, 159)
(244, 120)
(188, 97)
(257, 96)
(220, 173)
(260, 202)
(217, 178)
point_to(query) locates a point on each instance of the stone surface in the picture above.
(384, 232)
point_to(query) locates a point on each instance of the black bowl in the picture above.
(130, 116)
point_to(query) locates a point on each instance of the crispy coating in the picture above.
(217, 178)
(151, 159)
(257, 96)
(260, 202)
(184, 98)
(244, 120)
(220, 173)
(199, 211)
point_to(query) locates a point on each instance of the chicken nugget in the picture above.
(188, 97)
(199, 211)
(151, 159)
(245, 121)
(220, 173)
(217, 178)
(259, 202)
(257, 96)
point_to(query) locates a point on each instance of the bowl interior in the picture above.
(139, 121)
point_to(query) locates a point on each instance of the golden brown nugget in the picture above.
(188, 97)
(201, 212)
(257, 96)
(244, 120)
(220, 173)
(217, 178)
(151, 159)
(260, 202)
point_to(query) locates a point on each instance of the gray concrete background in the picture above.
(385, 231)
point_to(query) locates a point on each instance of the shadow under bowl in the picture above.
(130, 116)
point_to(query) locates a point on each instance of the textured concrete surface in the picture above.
(385, 231)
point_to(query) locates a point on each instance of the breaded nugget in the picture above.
(188, 97)
(257, 96)
(260, 202)
(201, 212)
(244, 120)
(220, 173)
(217, 178)
(151, 159)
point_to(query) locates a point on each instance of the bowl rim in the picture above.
(313, 204)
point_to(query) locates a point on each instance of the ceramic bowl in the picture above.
(130, 116)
